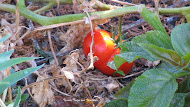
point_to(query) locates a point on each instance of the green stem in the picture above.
(61, 1)
(183, 10)
(174, 10)
(48, 6)
(43, 20)
(120, 22)
(181, 74)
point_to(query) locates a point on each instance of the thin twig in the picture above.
(137, 23)
(51, 47)
(28, 89)
(24, 35)
(85, 87)
(9, 88)
(58, 3)
(99, 79)
(123, 3)
(17, 19)
(57, 25)
(36, 83)
(129, 75)
(59, 91)
(91, 66)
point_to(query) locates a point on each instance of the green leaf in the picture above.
(162, 53)
(119, 61)
(154, 88)
(124, 92)
(155, 38)
(187, 100)
(5, 56)
(167, 66)
(13, 78)
(153, 19)
(5, 38)
(130, 51)
(18, 98)
(186, 59)
(117, 103)
(24, 98)
(112, 65)
(181, 39)
(184, 86)
(119, 72)
(178, 100)
(11, 62)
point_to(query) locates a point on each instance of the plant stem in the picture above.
(43, 20)
(181, 74)
(48, 6)
(183, 10)
(120, 22)
(61, 1)
(173, 10)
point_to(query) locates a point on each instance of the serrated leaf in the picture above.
(18, 98)
(186, 59)
(124, 92)
(162, 53)
(117, 103)
(130, 51)
(155, 38)
(112, 65)
(169, 67)
(154, 88)
(178, 100)
(14, 61)
(5, 38)
(153, 19)
(181, 39)
(13, 78)
(119, 72)
(5, 56)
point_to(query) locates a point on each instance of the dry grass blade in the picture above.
(123, 3)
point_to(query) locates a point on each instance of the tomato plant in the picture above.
(105, 49)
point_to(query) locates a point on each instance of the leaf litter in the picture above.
(68, 83)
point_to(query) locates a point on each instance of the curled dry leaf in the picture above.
(76, 34)
(71, 67)
(43, 94)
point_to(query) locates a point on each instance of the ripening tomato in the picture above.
(105, 50)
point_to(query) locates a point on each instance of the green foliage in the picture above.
(178, 100)
(154, 88)
(162, 53)
(18, 98)
(5, 38)
(181, 39)
(117, 103)
(158, 87)
(24, 97)
(13, 78)
(124, 92)
(119, 72)
(153, 19)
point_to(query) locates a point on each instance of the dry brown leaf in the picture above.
(43, 94)
(71, 66)
(10, 28)
(76, 34)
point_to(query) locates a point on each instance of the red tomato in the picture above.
(105, 51)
